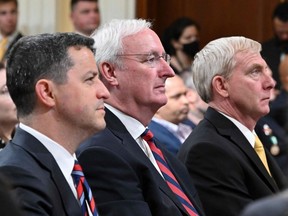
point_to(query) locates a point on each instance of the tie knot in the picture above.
(77, 169)
(258, 143)
(147, 135)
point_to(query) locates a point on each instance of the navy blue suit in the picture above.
(171, 142)
(36, 179)
(123, 179)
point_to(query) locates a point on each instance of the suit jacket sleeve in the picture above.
(29, 191)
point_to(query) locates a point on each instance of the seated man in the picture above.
(167, 124)
(130, 172)
(53, 81)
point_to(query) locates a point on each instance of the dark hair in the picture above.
(2, 65)
(74, 2)
(281, 12)
(43, 56)
(174, 32)
(8, 1)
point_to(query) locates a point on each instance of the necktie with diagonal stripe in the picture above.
(168, 175)
(84, 192)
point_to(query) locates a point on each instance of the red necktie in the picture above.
(168, 175)
(83, 190)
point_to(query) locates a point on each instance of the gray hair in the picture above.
(217, 58)
(109, 38)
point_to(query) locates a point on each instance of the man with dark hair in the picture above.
(53, 80)
(85, 16)
(8, 26)
(274, 49)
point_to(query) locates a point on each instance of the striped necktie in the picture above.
(168, 175)
(84, 192)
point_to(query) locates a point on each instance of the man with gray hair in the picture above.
(129, 171)
(223, 154)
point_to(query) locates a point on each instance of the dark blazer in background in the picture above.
(227, 172)
(275, 134)
(124, 181)
(36, 179)
(165, 137)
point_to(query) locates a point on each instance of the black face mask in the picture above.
(191, 49)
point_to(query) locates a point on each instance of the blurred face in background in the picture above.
(188, 41)
(8, 113)
(85, 17)
(177, 107)
(8, 18)
(283, 72)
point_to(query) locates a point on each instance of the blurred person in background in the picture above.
(197, 107)
(167, 124)
(181, 41)
(8, 26)
(275, 48)
(85, 16)
(279, 106)
(269, 129)
(8, 114)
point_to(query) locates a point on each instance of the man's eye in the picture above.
(151, 58)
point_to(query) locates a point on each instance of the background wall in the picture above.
(217, 18)
(39, 16)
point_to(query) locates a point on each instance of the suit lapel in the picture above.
(45, 158)
(117, 128)
(227, 129)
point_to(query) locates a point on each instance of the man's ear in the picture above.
(43, 90)
(220, 85)
(109, 73)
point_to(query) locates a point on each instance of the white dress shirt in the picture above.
(250, 135)
(63, 158)
(135, 128)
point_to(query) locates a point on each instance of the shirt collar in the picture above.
(250, 135)
(63, 158)
(134, 127)
(169, 125)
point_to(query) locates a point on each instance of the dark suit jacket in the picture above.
(168, 139)
(267, 140)
(36, 179)
(124, 181)
(275, 205)
(8, 204)
(227, 172)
